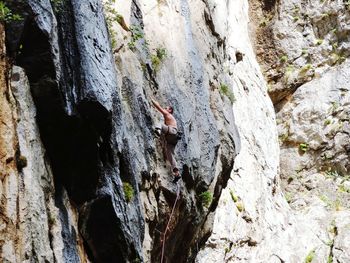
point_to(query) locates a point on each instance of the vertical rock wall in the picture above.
(314, 121)
(294, 42)
(30, 218)
(91, 78)
(188, 77)
(96, 124)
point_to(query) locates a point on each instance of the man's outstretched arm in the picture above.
(158, 107)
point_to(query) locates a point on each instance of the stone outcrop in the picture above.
(312, 124)
(33, 216)
(83, 177)
(96, 124)
(308, 81)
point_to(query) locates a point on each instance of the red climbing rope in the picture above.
(171, 215)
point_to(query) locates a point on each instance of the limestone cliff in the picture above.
(83, 178)
(96, 125)
(301, 48)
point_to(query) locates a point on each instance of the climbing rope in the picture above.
(171, 215)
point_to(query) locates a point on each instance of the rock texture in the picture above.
(262, 228)
(97, 187)
(183, 79)
(33, 217)
(314, 124)
(96, 124)
(308, 82)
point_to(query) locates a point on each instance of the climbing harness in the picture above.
(171, 215)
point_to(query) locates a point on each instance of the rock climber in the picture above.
(169, 133)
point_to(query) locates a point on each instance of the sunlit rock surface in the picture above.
(80, 129)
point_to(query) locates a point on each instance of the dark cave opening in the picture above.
(98, 234)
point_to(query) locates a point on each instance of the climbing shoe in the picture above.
(157, 131)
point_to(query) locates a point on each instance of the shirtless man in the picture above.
(169, 131)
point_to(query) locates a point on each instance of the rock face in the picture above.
(33, 215)
(314, 123)
(83, 177)
(96, 124)
(308, 81)
(314, 136)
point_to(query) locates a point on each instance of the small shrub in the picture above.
(332, 173)
(136, 34)
(305, 68)
(310, 256)
(284, 59)
(206, 198)
(51, 219)
(158, 58)
(155, 62)
(240, 206)
(337, 205)
(57, 5)
(296, 9)
(227, 92)
(333, 229)
(288, 71)
(111, 16)
(144, 67)
(119, 18)
(342, 188)
(6, 14)
(330, 243)
(128, 191)
(289, 197)
(233, 196)
(326, 200)
(337, 58)
(131, 45)
(334, 106)
(161, 53)
(319, 42)
(265, 21)
(304, 147)
(327, 122)
(304, 52)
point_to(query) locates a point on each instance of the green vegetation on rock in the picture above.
(157, 58)
(233, 196)
(304, 147)
(6, 14)
(310, 256)
(240, 206)
(206, 198)
(136, 34)
(128, 191)
(224, 89)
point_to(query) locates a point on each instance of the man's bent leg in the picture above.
(170, 152)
